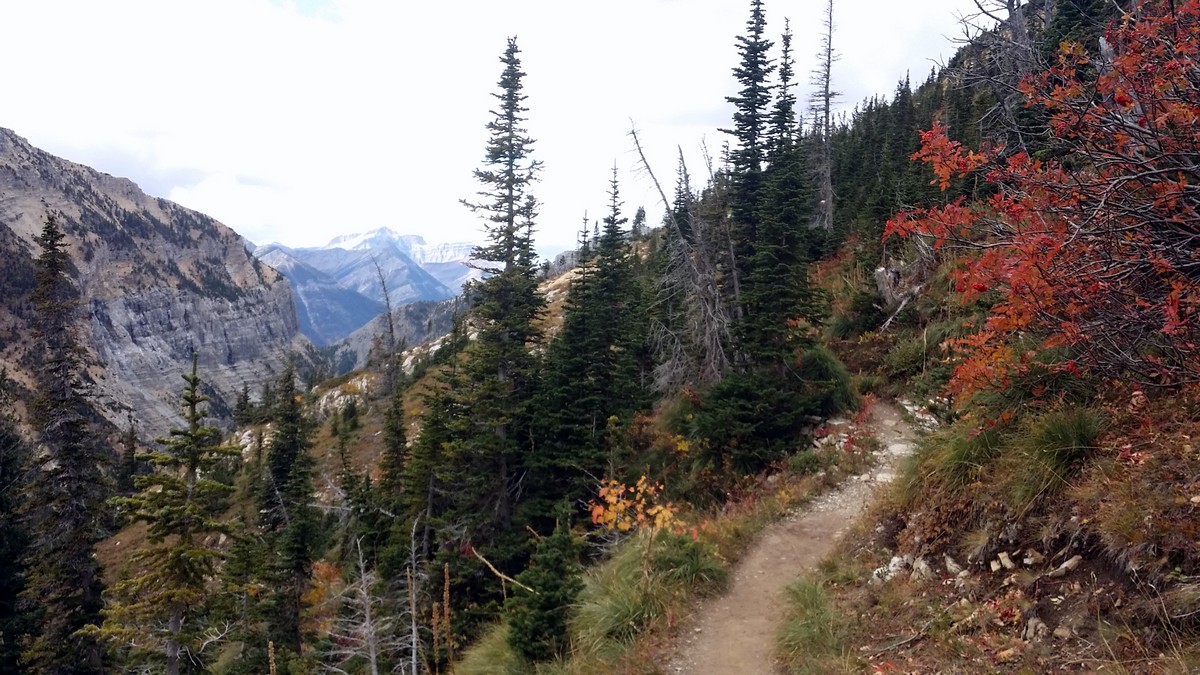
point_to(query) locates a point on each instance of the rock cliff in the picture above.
(157, 282)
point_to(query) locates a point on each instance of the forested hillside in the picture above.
(1013, 244)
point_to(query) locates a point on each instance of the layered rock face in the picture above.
(157, 281)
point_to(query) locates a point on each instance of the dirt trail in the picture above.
(735, 633)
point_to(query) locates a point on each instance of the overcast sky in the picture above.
(299, 120)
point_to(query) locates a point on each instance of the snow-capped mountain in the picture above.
(337, 285)
(449, 263)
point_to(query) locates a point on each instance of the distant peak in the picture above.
(353, 241)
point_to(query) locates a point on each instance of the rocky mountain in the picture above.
(327, 311)
(449, 263)
(157, 282)
(337, 285)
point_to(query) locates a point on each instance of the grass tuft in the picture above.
(1047, 451)
(812, 638)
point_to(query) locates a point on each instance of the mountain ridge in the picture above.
(157, 282)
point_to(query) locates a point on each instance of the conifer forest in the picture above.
(1004, 253)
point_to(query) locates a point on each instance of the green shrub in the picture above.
(635, 586)
(826, 387)
(805, 462)
(869, 384)
(492, 655)
(683, 562)
(862, 316)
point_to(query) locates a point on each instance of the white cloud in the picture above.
(296, 121)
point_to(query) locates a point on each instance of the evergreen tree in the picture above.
(63, 507)
(638, 229)
(538, 620)
(155, 613)
(243, 410)
(750, 128)
(286, 517)
(592, 372)
(14, 624)
(777, 292)
(489, 449)
(499, 366)
(128, 468)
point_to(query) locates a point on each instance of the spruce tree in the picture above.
(155, 613)
(66, 491)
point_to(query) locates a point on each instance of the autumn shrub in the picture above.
(1091, 253)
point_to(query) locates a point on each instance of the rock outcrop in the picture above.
(157, 281)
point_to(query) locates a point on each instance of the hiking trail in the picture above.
(734, 634)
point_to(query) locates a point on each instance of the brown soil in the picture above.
(735, 633)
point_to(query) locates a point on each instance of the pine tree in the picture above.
(154, 613)
(66, 491)
(499, 366)
(592, 371)
(487, 453)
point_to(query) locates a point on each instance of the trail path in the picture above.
(734, 634)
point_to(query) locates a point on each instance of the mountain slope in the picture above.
(158, 281)
(327, 311)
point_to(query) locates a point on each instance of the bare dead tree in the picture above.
(1001, 33)
(363, 634)
(697, 348)
(822, 109)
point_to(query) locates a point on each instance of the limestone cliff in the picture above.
(157, 281)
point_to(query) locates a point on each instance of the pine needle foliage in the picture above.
(63, 510)
(154, 613)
